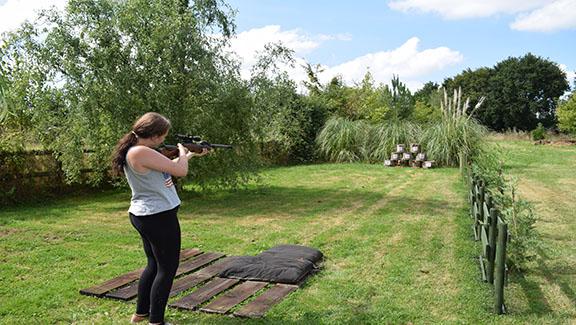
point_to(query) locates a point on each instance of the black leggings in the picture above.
(161, 238)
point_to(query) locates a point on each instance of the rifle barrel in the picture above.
(224, 146)
(213, 145)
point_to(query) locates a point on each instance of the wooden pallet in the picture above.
(103, 288)
(212, 294)
(131, 291)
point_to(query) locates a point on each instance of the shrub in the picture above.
(567, 115)
(539, 133)
(521, 219)
(517, 212)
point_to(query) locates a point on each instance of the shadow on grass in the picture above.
(535, 297)
(272, 200)
(551, 276)
(100, 201)
(297, 202)
(537, 301)
(267, 201)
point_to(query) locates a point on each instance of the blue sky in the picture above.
(419, 40)
(475, 33)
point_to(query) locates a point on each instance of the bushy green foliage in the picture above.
(364, 101)
(521, 218)
(518, 213)
(374, 103)
(4, 112)
(567, 115)
(427, 94)
(539, 133)
(12, 121)
(425, 113)
(314, 114)
(285, 122)
(488, 165)
(10, 143)
(80, 78)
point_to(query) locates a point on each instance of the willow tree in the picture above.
(83, 75)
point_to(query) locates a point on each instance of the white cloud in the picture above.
(560, 14)
(530, 15)
(14, 12)
(247, 44)
(458, 9)
(407, 61)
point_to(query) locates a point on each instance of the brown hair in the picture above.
(149, 125)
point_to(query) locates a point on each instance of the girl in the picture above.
(153, 208)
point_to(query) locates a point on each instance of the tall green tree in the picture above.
(427, 93)
(402, 101)
(520, 92)
(84, 75)
(427, 103)
(524, 92)
(287, 122)
(339, 99)
(375, 103)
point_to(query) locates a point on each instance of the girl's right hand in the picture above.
(183, 151)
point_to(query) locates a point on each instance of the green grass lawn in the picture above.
(546, 176)
(397, 241)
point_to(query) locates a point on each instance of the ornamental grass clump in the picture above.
(343, 140)
(386, 136)
(340, 139)
(457, 137)
(453, 141)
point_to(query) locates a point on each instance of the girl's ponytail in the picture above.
(119, 157)
(148, 125)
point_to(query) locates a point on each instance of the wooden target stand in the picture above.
(213, 294)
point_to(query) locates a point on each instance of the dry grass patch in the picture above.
(8, 231)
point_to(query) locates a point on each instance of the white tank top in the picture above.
(152, 192)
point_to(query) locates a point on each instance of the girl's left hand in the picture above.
(204, 152)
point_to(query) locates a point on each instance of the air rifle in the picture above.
(191, 142)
